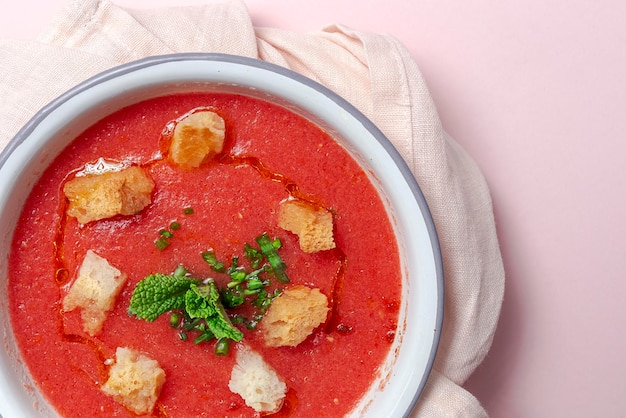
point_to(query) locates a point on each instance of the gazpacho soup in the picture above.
(204, 255)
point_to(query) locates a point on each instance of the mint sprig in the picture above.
(159, 293)
(198, 301)
(203, 301)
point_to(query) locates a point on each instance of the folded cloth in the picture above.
(373, 72)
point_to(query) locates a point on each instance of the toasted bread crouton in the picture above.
(196, 138)
(99, 196)
(256, 382)
(312, 224)
(135, 381)
(293, 316)
(94, 291)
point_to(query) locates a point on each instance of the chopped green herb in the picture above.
(162, 243)
(222, 347)
(253, 323)
(216, 265)
(180, 271)
(269, 248)
(237, 319)
(234, 265)
(188, 210)
(254, 283)
(238, 276)
(165, 233)
(231, 298)
(175, 320)
(264, 299)
(254, 255)
(190, 324)
(205, 336)
(249, 292)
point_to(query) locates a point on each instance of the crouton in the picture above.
(312, 224)
(135, 381)
(196, 138)
(293, 316)
(94, 291)
(99, 196)
(256, 382)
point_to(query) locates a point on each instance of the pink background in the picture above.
(535, 91)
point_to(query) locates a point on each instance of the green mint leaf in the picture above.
(157, 294)
(203, 301)
(221, 327)
(200, 300)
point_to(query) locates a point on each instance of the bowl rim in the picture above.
(393, 153)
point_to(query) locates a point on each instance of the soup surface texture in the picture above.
(270, 154)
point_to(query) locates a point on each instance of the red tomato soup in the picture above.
(270, 154)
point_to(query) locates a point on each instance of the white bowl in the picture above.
(21, 164)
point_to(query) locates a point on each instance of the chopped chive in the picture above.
(165, 233)
(255, 274)
(238, 276)
(232, 298)
(234, 265)
(183, 336)
(175, 320)
(255, 283)
(188, 210)
(237, 319)
(162, 243)
(255, 256)
(180, 271)
(174, 226)
(222, 347)
(216, 265)
(269, 247)
(205, 336)
(190, 324)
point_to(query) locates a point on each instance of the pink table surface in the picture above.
(535, 91)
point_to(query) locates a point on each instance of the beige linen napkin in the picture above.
(373, 72)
